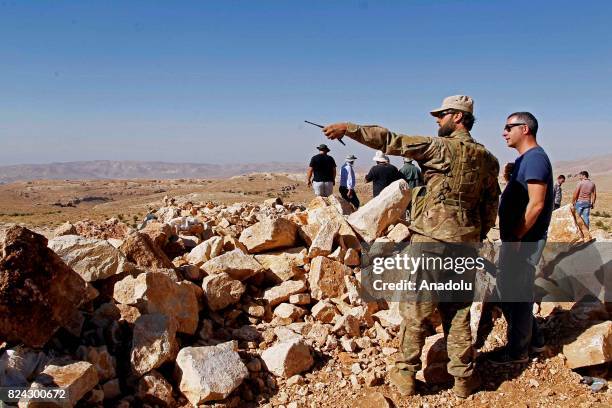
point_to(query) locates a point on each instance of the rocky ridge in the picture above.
(242, 305)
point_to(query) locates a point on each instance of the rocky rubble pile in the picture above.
(232, 305)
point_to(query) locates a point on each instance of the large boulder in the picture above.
(39, 293)
(209, 373)
(221, 290)
(91, 258)
(269, 234)
(288, 358)
(154, 292)
(373, 218)
(141, 250)
(593, 346)
(154, 342)
(326, 278)
(235, 263)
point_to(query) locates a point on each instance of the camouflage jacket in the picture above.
(460, 175)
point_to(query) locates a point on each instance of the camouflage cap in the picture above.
(460, 102)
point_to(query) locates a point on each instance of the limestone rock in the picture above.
(158, 232)
(390, 317)
(288, 311)
(65, 229)
(235, 263)
(326, 278)
(221, 290)
(348, 325)
(154, 342)
(91, 258)
(154, 389)
(140, 249)
(283, 265)
(205, 251)
(434, 359)
(373, 218)
(39, 293)
(351, 258)
(591, 347)
(300, 299)
(288, 358)
(567, 227)
(399, 233)
(76, 378)
(321, 212)
(154, 292)
(281, 293)
(324, 311)
(209, 373)
(309, 232)
(323, 243)
(269, 234)
(101, 359)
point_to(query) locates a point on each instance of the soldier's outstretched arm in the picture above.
(425, 150)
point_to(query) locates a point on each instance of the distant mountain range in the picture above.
(107, 169)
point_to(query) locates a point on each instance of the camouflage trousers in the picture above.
(417, 314)
(456, 324)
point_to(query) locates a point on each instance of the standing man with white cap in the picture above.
(347, 181)
(382, 174)
(459, 206)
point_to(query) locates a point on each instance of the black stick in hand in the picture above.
(321, 126)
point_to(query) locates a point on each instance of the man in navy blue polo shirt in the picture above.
(524, 215)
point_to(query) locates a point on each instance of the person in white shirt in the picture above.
(347, 181)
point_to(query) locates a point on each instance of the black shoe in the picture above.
(537, 349)
(503, 357)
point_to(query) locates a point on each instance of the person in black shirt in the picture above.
(322, 172)
(382, 174)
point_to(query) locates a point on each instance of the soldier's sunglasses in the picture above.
(509, 126)
(444, 113)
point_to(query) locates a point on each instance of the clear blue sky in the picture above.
(225, 81)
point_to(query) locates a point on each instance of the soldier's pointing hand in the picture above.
(335, 131)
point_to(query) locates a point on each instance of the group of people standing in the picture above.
(460, 205)
(322, 174)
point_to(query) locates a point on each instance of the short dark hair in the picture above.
(467, 119)
(528, 119)
(561, 176)
(585, 173)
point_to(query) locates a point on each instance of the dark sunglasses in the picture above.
(509, 126)
(444, 113)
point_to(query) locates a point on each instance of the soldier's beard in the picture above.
(446, 129)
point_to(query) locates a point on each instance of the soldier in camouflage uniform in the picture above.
(460, 205)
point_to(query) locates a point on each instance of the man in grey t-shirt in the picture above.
(558, 192)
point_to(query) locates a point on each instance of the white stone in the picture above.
(209, 373)
(373, 218)
(288, 358)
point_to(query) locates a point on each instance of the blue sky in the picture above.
(226, 81)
